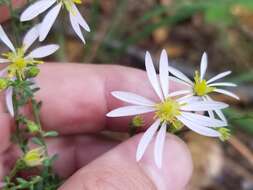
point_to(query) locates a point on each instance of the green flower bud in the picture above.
(32, 72)
(137, 121)
(32, 127)
(3, 83)
(175, 126)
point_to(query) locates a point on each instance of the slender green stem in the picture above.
(20, 140)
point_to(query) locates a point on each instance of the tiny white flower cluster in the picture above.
(178, 108)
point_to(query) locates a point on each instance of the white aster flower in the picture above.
(169, 111)
(19, 60)
(202, 88)
(76, 19)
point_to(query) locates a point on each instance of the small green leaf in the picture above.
(49, 162)
(21, 180)
(50, 134)
(37, 141)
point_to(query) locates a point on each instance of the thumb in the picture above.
(118, 169)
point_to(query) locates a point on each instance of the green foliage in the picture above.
(243, 77)
(173, 15)
(240, 120)
(4, 2)
(215, 12)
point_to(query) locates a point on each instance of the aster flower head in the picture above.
(19, 62)
(202, 88)
(76, 19)
(170, 111)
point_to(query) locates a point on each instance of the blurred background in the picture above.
(122, 30)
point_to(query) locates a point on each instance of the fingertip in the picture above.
(118, 168)
(176, 168)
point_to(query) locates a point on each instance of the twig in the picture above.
(242, 149)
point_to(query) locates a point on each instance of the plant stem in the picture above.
(20, 140)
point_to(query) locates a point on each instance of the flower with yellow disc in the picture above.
(169, 111)
(203, 88)
(19, 61)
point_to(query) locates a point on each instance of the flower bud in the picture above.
(32, 72)
(3, 83)
(35, 157)
(32, 127)
(137, 121)
(176, 126)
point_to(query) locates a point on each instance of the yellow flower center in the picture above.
(18, 63)
(35, 157)
(201, 87)
(167, 112)
(68, 5)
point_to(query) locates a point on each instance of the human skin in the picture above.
(76, 98)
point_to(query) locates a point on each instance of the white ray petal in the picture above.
(203, 65)
(3, 72)
(30, 37)
(132, 98)
(2, 60)
(8, 100)
(203, 120)
(188, 99)
(204, 106)
(76, 27)
(198, 128)
(48, 21)
(227, 93)
(218, 112)
(180, 75)
(152, 75)
(159, 145)
(223, 84)
(5, 39)
(164, 73)
(146, 139)
(211, 114)
(180, 92)
(43, 51)
(35, 9)
(221, 115)
(80, 18)
(2, 184)
(219, 76)
(129, 111)
(179, 81)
